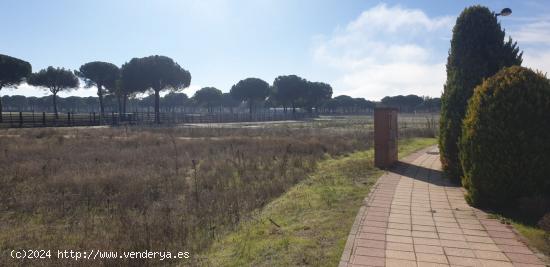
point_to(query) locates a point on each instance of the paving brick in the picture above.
(373, 229)
(401, 226)
(430, 264)
(501, 234)
(400, 263)
(369, 261)
(372, 236)
(398, 232)
(399, 246)
(377, 213)
(398, 254)
(376, 224)
(454, 244)
(515, 249)
(428, 249)
(462, 261)
(399, 239)
(518, 264)
(426, 241)
(440, 219)
(459, 252)
(431, 258)
(490, 255)
(479, 239)
(507, 241)
(369, 243)
(374, 252)
(376, 218)
(424, 234)
(483, 246)
(523, 258)
(475, 232)
(458, 237)
(425, 228)
(447, 224)
(493, 263)
(449, 230)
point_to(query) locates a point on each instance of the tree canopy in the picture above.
(12, 72)
(55, 80)
(173, 100)
(250, 90)
(99, 74)
(159, 73)
(316, 93)
(407, 103)
(289, 90)
(208, 96)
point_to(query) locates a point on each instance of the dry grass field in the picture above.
(155, 189)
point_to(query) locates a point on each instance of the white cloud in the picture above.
(394, 19)
(538, 60)
(533, 38)
(536, 32)
(387, 50)
(190, 91)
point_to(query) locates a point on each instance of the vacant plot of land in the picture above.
(154, 189)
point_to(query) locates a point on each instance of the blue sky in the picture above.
(362, 48)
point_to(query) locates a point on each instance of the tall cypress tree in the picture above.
(478, 51)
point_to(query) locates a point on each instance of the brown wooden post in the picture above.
(385, 137)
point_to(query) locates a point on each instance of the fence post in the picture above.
(93, 116)
(113, 118)
(69, 118)
(20, 119)
(43, 118)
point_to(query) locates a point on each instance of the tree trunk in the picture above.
(157, 112)
(124, 100)
(250, 106)
(119, 100)
(1, 110)
(55, 105)
(100, 96)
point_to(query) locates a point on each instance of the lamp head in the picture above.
(505, 12)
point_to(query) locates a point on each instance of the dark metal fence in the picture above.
(43, 119)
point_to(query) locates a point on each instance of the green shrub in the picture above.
(478, 51)
(505, 144)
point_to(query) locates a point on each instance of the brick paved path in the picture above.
(413, 217)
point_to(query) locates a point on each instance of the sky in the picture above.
(362, 48)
